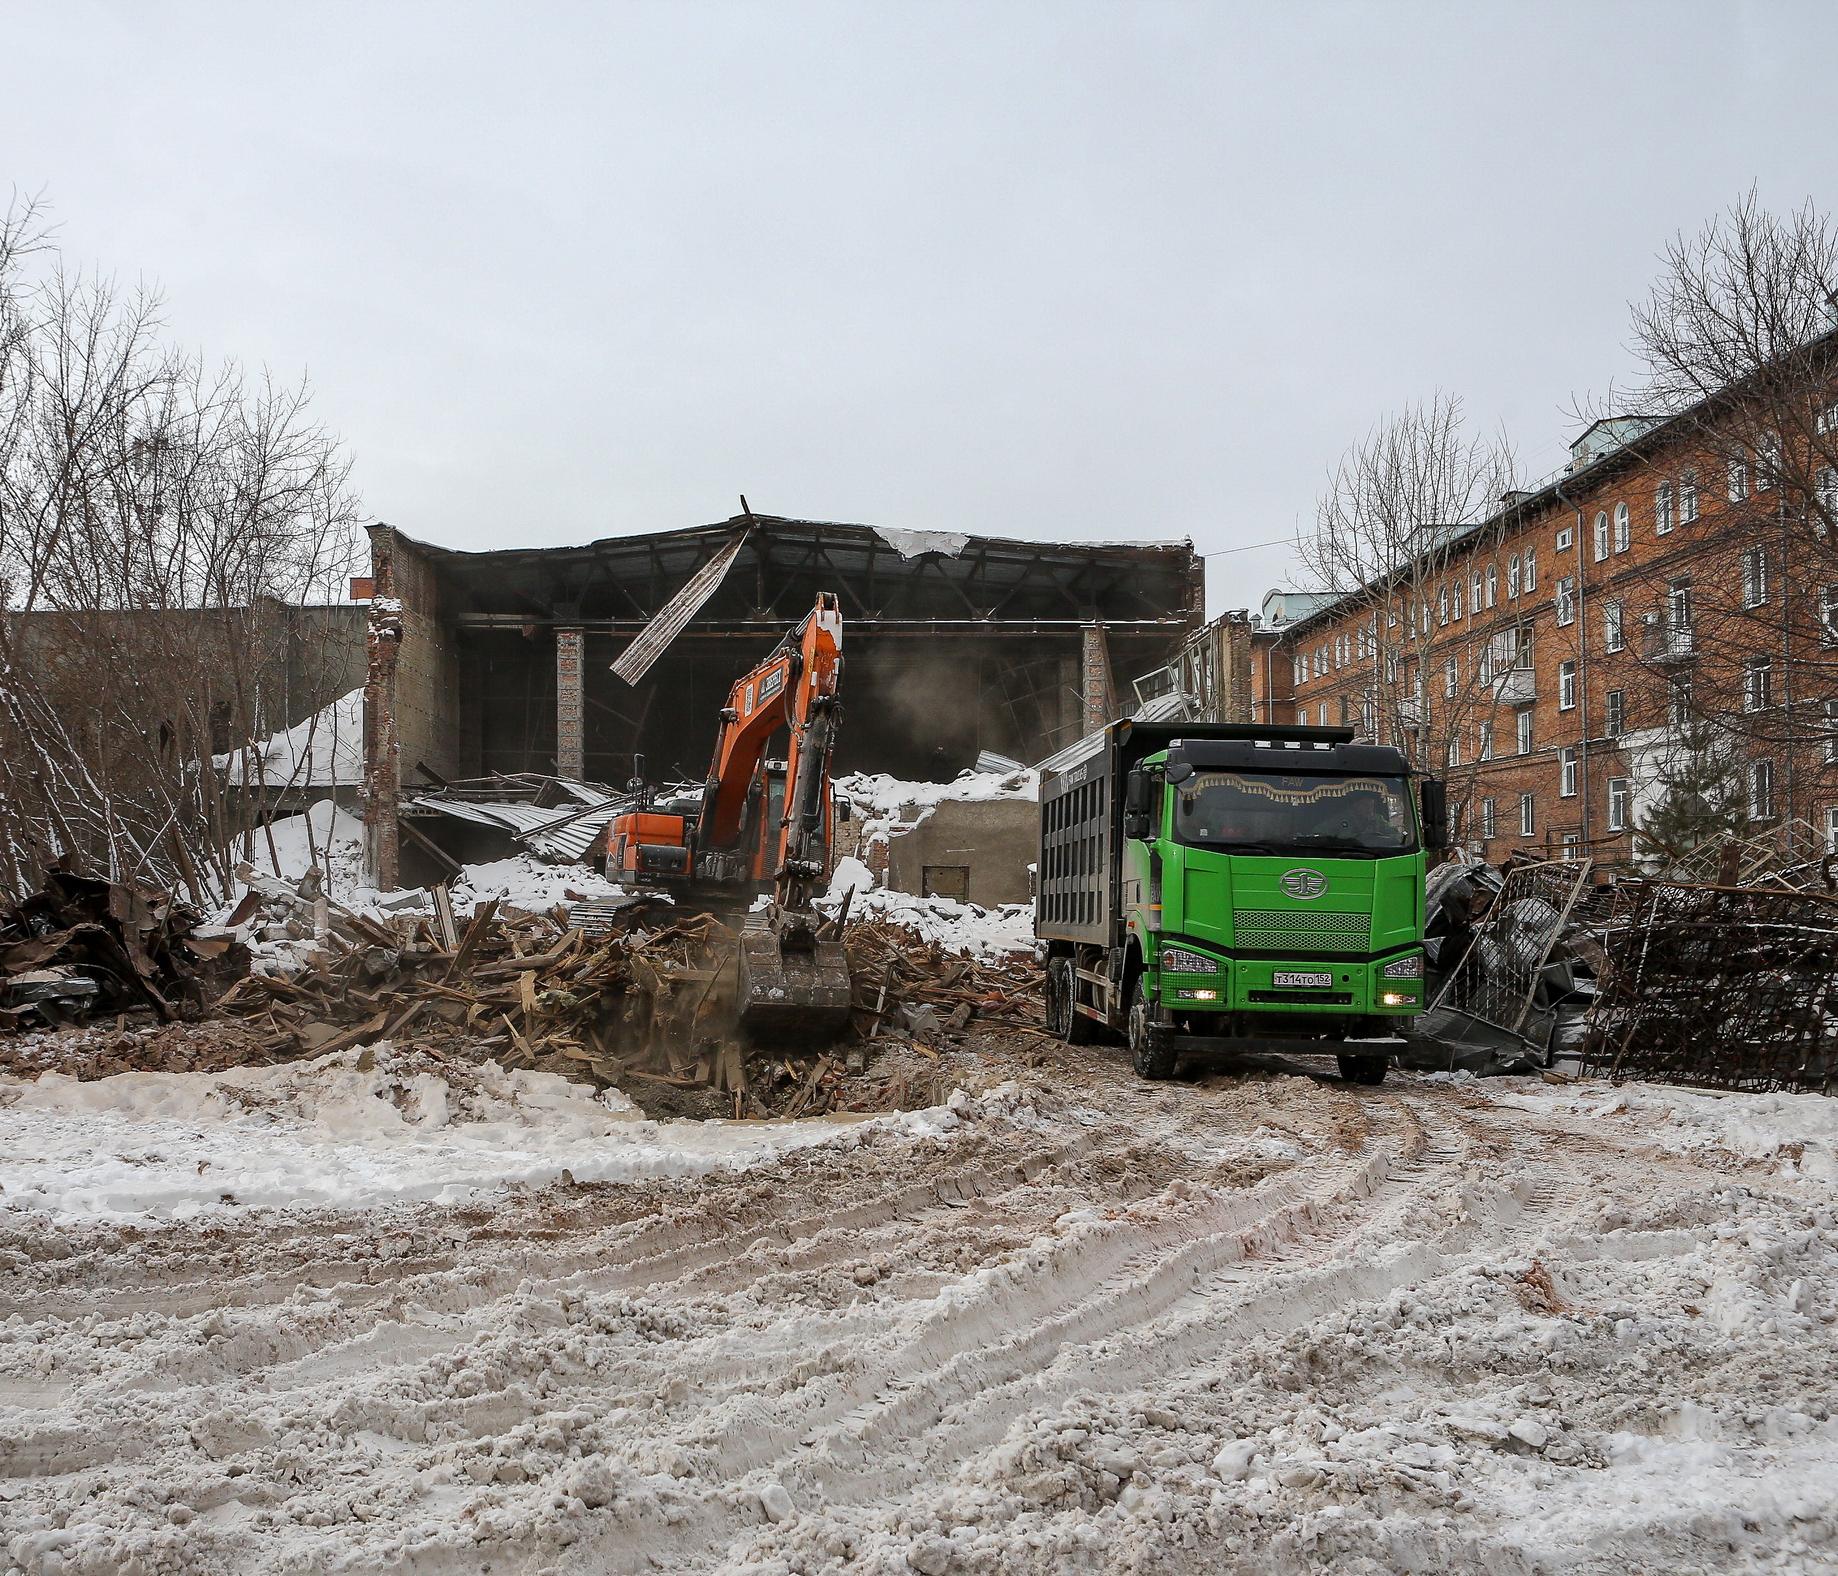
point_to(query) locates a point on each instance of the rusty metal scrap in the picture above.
(1730, 987)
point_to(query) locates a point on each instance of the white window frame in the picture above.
(1451, 676)
(1760, 785)
(1566, 600)
(1828, 615)
(1486, 741)
(1688, 498)
(1620, 800)
(1489, 819)
(1531, 569)
(1528, 815)
(1442, 607)
(1678, 603)
(1739, 480)
(1522, 731)
(1757, 684)
(1678, 700)
(1564, 538)
(1831, 828)
(1601, 535)
(1614, 627)
(1512, 578)
(1662, 509)
(1831, 732)
(1566, 685)
(1566, 772)
(1624, 527)
(1456, 599)
(1767, 462)
(1493, 584)
(1754, 577)
(1614, 713)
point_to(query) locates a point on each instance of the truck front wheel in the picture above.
(1064, 1020)
(1148, 1058)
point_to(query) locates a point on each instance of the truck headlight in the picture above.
(1178, 960)
(1395, 998)
(1410, 968)
(1196, 995)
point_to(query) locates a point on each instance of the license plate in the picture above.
(1296, 977)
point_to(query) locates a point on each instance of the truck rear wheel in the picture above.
(1064, 1020)
(1149, 1059)
(1364, 1069)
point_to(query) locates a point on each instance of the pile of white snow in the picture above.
(889, 805)
(965, 928)
(326, 750)
(354, 1128)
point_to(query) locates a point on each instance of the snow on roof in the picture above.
(326, 750)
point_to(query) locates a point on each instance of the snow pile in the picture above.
(354, 1128)
(324, 836)
(326, 750)
(968, 929)
(1796, 1135)
(523, 881)
(889, 805)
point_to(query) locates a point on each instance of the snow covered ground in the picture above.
(965, 928)
(1077, 1322)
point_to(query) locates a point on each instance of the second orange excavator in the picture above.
(762, 826)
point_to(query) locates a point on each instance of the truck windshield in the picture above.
(1269, 812)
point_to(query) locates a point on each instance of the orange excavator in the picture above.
(762, 826)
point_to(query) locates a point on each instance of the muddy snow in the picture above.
(450, 1322)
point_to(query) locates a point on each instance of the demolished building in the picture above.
(499, 662)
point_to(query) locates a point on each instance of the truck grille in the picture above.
(1304, 998)
(1312, 934)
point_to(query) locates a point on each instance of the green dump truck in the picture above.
(1206, 887)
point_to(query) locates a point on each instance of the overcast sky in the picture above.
(1054, 270)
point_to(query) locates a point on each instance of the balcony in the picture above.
(1666, 642)
(1515, 687)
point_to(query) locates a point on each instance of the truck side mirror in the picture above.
(1433, 796)
(1136, 790)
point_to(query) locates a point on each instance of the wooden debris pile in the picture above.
(528, 989)
(906, 984)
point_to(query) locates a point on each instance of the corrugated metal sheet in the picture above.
(635, 661)
(557, 834)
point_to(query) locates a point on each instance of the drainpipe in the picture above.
(1582, 673)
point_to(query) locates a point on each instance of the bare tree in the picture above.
(1393, 541)
(1737, 615)
(158, 522)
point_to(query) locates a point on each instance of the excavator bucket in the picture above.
(794, 981)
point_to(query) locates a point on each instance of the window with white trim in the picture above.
(1573, 843)
(1826, 419)
(1486, 741)
(1486, 663)
(1474, 593)
(1620, 798)
(1523, 725)
(1528, 815)
(1488, 820)
(1566, 686)
(1828, 615)
(1531, 569)
(1493, 583)
(1456, 599)
(1512, 577)
(1566, 600)
(1688, 497)
(1301, 716)
(1564, 538)
(1442, 606)
(1601, 536)
(1678, 700)
(1757, 683)
(1449, 679)
(1614, 635)
(1614, 714)
(1767, 462)
(1451, 754)
(1738, 480)
(1831, 828)
(1761, 790)
(1678, 603)
(1321, 714)
(1624, 527)
(1825, 494)
(1754, 576)
(1566, 772)
(1662, 509)
(1831, 732)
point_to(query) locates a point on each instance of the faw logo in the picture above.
(1302, 883)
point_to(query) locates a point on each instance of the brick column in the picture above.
(1095, 678)
(382, 746)
(570, 750)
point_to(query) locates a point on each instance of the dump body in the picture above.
(1205, 884)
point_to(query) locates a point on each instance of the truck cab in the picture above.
(1211, 886)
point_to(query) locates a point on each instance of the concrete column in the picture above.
(570, 746)
(1095, 685)
(382, 745)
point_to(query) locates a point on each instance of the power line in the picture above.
(1281, 541)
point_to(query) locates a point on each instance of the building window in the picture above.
(1828, 615)
(1566, 686)
(1573, 843)
(1662, 509)
(1761, 790)
(1493, 583)
(1488, 820)
(1678, 603)
(1457, 599)
(1614, 713)
(1688, 497)
(1566, 772)
(1831, 829)
(1524, 725)
(1624, 528)
(1767, 462)
(1452, 755)
(1831, 732)
(1678, 700)
(1486, 741)
(1564, 539)
(1619, 796)
(1757, 683)
(1826, 419)
(1442, 606)
(1321, 714)
(1512, 577)
(1528, 815)
(1754, 576)
(1486, 673)
(1566, 600)
(1531, 569)
(1450, 677)
(1368, 716)
(1301, 716)
(1614, 637)
(1739, 480)
(1601, 536)
(1825, 491)
(1391, 615)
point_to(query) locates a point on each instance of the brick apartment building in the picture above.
(1559, 656)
